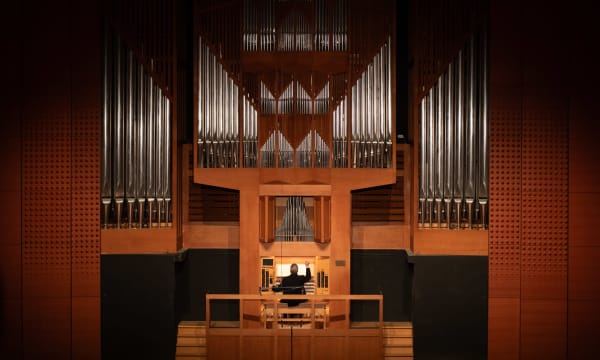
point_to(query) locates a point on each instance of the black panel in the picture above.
(209, 271)
(138, 320)
(381, 271)
(450, 307)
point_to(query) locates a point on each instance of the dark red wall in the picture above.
(543, 251)
(49, 138)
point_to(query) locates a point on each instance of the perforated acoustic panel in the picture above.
(544, 200)
(46, 197)
(505, 203)
(85, 235)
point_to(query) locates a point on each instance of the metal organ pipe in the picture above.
(482, 189)
(449, 144)
(340, 136)
(130, 175)
(118, 185)
(135, 140)
(371, 114)
(218, 117)
(454, 145)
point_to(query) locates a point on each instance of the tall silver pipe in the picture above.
(107, 121)
(431, 153)
(166, 159)
(353, 125)
(459, 138)
(151, 144)
(159, 158)
(449, 144)
(482, 189)
(388, 67)
(471, 151)
(439, 148)
(201, 99)
(424, 176)
(118, 175)
(130, 174)
(141, 142)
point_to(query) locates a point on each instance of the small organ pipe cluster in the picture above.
(453, 177)
(136, 146)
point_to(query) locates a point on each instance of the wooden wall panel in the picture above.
(504, 328)
(85, 327)
(257, 347)
(544, 202)
(584, 194)
(47, 328)
(584, 317)
(529, 181)
(543, 329)
(225, 347)
(10, 186)
(49, 251)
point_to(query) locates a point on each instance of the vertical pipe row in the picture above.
(321, 152)
(267, 152)
(250, 138)
(371, 114)
(218, 113)
(135, 142)
(321, 26)
(285, 154)
(286, 100)
(322, 100)
(303, 100)
(454, 145)
(295, 225)
(304, 152)
(340, 136)
(267, 100)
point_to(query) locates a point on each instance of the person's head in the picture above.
(294, 269)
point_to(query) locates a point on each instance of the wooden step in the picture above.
(191, 350)
(191, 341)
(397, 351)
(398, 358)
(190, 357)
(398, 341)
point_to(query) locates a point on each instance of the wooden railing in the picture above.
(311, 300)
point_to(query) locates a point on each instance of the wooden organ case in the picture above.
(295, 108)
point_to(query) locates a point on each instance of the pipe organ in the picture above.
(295, 109)
(454, 148)
(136, 145)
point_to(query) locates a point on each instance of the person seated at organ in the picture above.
(294, 284)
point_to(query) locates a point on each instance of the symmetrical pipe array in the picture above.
(321, 25)
(267, 100)
(250, 134)
(218, 113)
(321, 152)
(304, 152)
(453, 176)
(277, 144)
(312, 143)
(303, 100)
(372, 115)
(294, 33)
(295, 225)
(340, 136)
(286, 100)
(136, 147)
(339, 26)
(322, 101)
